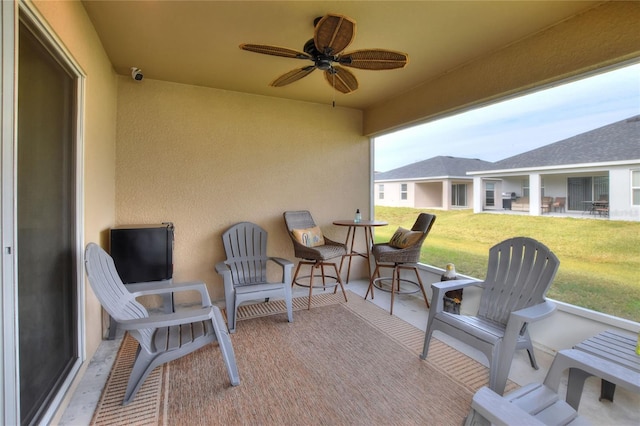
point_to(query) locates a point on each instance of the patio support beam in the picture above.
(478, 198)
(535, 194)
(446, 194)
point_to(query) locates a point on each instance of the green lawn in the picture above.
(599, 259)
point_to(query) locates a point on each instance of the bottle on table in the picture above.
(358, 216)
(452, 298)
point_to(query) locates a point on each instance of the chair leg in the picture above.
(529, 347)
(295, 276)
(395, 277)
(142, 366)
(376, 273)
(424, 293)
(339, 282)
(224, 342)
(427, 340)
(312, 273)
(288, 302)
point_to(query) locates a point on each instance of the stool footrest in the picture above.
(379, 284)
(317, 281)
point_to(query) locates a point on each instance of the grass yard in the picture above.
(599, 259)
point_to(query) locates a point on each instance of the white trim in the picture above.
(9, 403)
(599, 317)
(566, 168)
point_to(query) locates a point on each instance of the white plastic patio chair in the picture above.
(163, 337)
(519, 273)
(245, 271)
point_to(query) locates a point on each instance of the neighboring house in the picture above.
(602, 165)
(439, 182)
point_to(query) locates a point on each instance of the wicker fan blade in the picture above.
(374, 59)
(292, 76)
(342, 79)
(333, 34)
(275, 51)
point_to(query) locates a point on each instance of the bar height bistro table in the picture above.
(367, 226)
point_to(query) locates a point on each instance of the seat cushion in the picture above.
(309, 237)
(404, 238)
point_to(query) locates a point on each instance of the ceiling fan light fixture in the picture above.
(323, 63)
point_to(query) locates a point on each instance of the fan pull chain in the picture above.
(334, 89)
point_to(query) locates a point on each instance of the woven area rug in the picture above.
(338, 363)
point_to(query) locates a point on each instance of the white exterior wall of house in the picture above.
(620, 197)
(434, 194)
(553, 183)
(392, 194)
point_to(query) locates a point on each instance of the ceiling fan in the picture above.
(332, 34)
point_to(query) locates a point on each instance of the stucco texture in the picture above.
(205, 159)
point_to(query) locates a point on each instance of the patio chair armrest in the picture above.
(515, 323)
(497, 410)
(139, 288)
(535, 312)
(166, 320)
(282, 262)
(330, 242)
(442, 287)
(167, 287)
(222, 268)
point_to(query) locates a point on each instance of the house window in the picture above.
(381, 191)
(490, 194)
(459, 194)
(635, 187)
(403, 191)
(525, 187)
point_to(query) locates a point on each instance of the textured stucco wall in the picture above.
(205, 159)
(602, 36)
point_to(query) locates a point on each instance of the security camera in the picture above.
(136, 73)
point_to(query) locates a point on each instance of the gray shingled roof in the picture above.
(614, 142)
(441, 166)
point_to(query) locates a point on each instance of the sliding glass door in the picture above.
(47, 279)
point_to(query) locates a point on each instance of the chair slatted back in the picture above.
(245, 245)
(300, 219)
(110, 291)
(519, 273)
(423, 224)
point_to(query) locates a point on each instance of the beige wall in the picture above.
(205, 159)
(602, 36)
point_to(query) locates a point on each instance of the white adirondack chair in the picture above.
(244, 272)
(519, 273)
(163, 337)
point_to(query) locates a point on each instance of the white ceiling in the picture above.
(196, 42)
